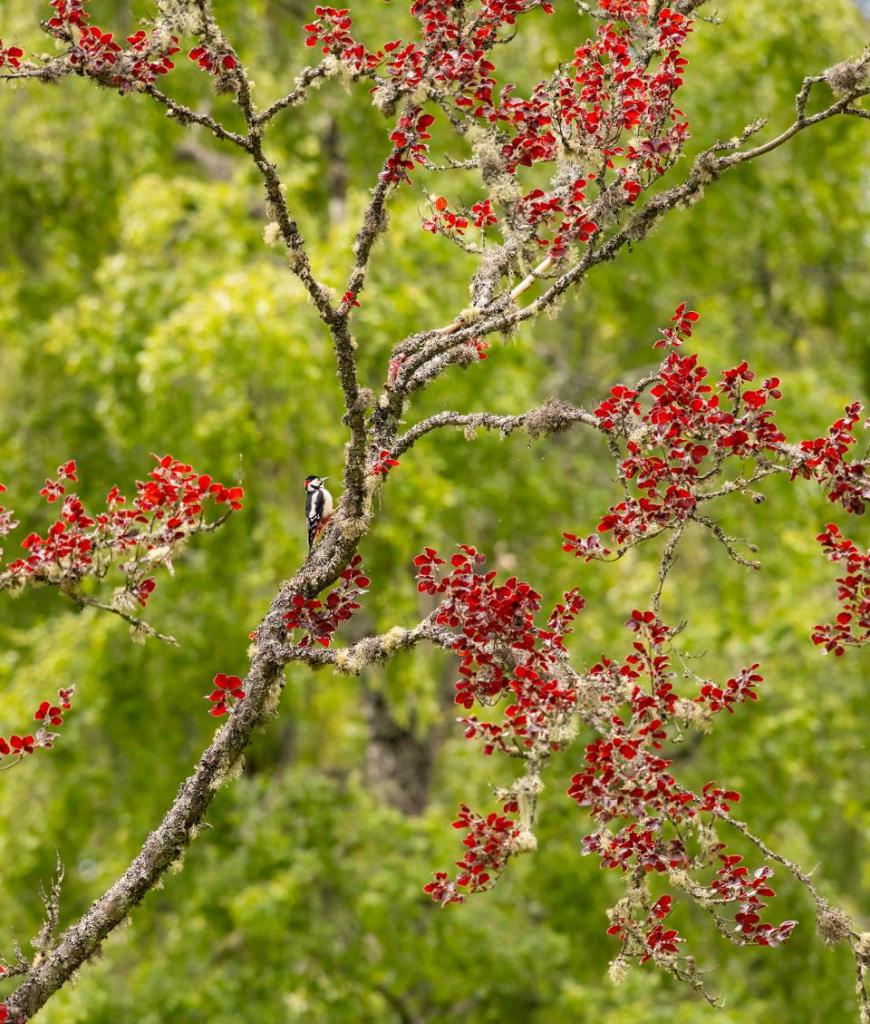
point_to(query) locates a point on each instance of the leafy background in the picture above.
(140, 312)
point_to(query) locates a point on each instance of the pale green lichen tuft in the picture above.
(272, 233)
(525, 841)
(618, 970)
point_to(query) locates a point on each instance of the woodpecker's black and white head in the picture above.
(318, 506)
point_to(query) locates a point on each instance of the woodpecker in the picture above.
(318, 507)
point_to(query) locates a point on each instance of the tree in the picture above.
(609, 131)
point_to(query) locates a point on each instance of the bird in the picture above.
(318, 507)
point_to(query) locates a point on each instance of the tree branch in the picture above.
(372, 650)
(550, 418)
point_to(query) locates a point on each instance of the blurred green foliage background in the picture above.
(141, 312)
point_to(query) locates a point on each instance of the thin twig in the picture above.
(726, 541)
(185, 115)
(51, 901)
(141, 627)
(303, 83)
(669, 556)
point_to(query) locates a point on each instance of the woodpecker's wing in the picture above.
(314, 508)
(312, 516)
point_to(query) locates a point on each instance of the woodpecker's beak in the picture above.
(324, 478)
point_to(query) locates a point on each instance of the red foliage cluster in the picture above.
(683, 437)
(852, 625)
(211, 61)
(52, 490)
(736, 691)
(48, 713)
(615, 98)
(384, 463)
(482, 215)
(10, 55)
(661, 941)
(681, 326)
(447, 222)
(734, 883)
(168, 508)
(625, 777)
(847, 483)
(68, 12)
(409, 145)
(667, 445)
(228, 690)
(481, 611)
(96, 53)
(152, 63)
(657, 939)
(489, 843)
(7, 521)
(505, 658)
(330, 30)
(453, 51)
(606, 95)
(320, 619)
